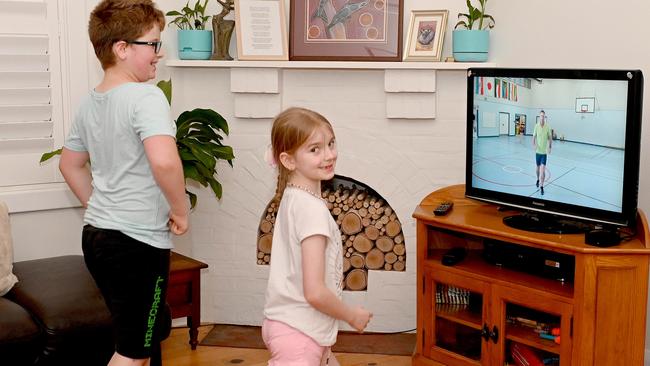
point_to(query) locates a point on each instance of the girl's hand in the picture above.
(359, 318)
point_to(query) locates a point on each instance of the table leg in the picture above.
(194, 333)
(194, 320)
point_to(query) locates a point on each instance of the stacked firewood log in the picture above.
(370, 232)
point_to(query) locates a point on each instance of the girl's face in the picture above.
(315, 160)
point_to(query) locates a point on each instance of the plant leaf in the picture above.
(166, 87)
(223, 152)
(48, 155)
(185, 154)
(206, 172)
(201, 130)
(190, 172)
(192, 199)
(216, 187)
(474, 15)
(208, 116)
(469, 6)
(491, 23)
(462, 22)
(197, 150)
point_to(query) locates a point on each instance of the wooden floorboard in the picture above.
(177, 352)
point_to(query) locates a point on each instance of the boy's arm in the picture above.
(316, 292)
(73, 166)
(167, 170)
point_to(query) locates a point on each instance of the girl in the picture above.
(303, 296)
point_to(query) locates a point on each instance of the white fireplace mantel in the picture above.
(410, 87)
(342, 65)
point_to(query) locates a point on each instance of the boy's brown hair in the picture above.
(120, 20)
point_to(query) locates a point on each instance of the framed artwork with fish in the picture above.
(426, 35)
(346, 30)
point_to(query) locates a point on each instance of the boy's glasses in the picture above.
(156, 45)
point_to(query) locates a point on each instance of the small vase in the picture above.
(471, 45)
(194, 44)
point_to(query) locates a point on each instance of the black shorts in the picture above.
(132, 276)
(540, 159)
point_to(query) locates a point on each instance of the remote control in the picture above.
(454, 255)
(443, 208)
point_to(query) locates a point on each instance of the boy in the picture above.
(134, 193)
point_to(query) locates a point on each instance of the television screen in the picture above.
(562, 142)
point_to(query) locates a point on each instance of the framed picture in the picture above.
(426, 35)
(261, 30)
(342, 30)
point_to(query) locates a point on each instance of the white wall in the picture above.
(586, 34)
(534, 33)
(580, 34)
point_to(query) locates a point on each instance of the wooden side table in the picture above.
(184, 292)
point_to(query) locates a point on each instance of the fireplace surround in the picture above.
(400, 129)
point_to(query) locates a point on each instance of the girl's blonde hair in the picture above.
(291, 129)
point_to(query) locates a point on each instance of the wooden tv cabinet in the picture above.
(478, 313)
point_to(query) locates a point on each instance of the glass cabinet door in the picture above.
(457, 329)
(535, 331)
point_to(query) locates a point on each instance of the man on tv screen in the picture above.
(542, 140)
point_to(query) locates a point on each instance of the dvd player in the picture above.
(539, 262)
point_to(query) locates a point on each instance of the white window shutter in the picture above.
(30, 91)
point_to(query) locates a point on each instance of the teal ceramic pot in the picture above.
(471, 45)
(194, 44)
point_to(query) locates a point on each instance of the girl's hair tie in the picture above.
(268, 157)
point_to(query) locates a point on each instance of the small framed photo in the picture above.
(261, 30)
(425, 35)
(346, 30)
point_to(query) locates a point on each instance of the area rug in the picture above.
(242, 336)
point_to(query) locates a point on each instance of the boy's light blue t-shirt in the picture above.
(111, 127)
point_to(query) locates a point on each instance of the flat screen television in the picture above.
(579, 168)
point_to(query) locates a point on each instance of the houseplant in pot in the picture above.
(471, 37)
(200, 145)
(194, 41)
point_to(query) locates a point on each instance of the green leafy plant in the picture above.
(190, 18)
(200, 145)
(474, 15)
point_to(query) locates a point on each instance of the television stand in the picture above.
(476, 313)
(541, 223)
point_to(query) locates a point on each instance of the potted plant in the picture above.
(194, 41)
(472, 41)
(199, 143)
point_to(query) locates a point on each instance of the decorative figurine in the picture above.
(222, 31)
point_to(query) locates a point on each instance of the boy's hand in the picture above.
(178, 223)
(360, 318)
